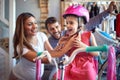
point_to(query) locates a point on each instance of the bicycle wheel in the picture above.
(118, 67)
(102, 74)
(102, 71)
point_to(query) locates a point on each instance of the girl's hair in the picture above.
(19, 38)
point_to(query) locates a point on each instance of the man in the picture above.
(54, 28)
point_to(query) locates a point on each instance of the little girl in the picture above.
(83, 66)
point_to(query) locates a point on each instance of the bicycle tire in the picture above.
(102, 69)
(118, 67)
(104, 66)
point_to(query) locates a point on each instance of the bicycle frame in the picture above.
(71, 58)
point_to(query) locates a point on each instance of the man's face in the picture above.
(55, 30)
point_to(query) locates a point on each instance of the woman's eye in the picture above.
(29, 24)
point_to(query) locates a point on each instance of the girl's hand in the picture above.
(78, 42)
(74, 41)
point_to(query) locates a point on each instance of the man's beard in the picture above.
(57, 38)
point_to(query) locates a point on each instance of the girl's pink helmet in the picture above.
(77, 10)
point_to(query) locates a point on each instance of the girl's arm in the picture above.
(93, 43)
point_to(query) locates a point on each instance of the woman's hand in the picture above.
(64, 45)
(68, 42)
(63, 40)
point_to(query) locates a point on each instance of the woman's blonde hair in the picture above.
(19, 38)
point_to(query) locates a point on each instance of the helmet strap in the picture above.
(79, 22)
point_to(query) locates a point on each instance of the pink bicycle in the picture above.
(61, 65)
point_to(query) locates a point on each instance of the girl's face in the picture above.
(72, 25)
(30, 27)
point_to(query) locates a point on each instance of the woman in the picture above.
(27, 43)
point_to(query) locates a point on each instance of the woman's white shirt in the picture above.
(25, 69)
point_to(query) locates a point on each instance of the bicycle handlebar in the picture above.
(75, 52)
(97, 48)
(88, 49)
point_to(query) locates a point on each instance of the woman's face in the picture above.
(30, 27)
(72, 25)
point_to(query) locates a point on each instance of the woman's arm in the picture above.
(64, 45)
(58, 51)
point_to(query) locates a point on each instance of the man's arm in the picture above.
(96, 20)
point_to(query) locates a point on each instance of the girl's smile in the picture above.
(72, 25)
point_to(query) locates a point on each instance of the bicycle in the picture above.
(102, 69)
(103, 38)
(103, 48)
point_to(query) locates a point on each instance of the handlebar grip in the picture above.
(39, 53)
(97, 48)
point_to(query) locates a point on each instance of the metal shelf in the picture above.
(89, 0)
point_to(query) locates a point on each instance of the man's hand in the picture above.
(112, 7)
